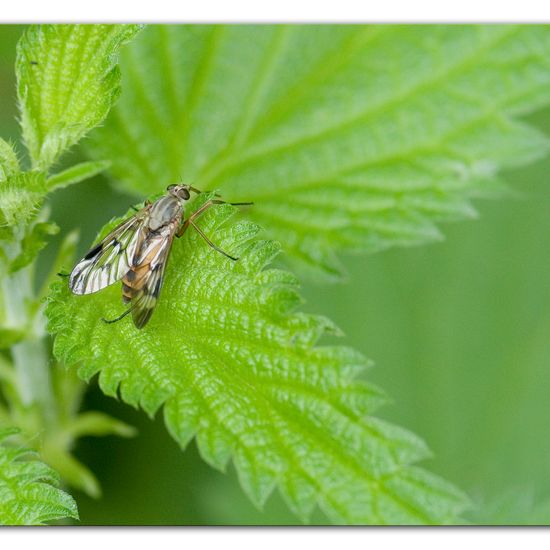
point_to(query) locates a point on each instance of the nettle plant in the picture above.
(347, 139)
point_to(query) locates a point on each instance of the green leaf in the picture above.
(235, 366)
(10, 336)
(32, 243)
(72, 470)
(64, 257)
(98, 424)
(20, 197)
(75, 174)
(28, 492)
(67, 80)
(347, 138)
(9, 165)
(59, 439)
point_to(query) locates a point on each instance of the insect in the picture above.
(136, 252)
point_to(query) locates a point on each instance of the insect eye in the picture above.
(170, 187)
(185, 194)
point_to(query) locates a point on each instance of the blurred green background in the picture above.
(459, 332)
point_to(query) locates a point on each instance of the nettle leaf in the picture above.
(10, 336)
(235, 366)
(67, 82)
(20, 197)
(348, 138)
(28, 492)
(32, 243)
(9, 164)
(75, 174)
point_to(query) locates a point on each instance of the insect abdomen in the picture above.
(134, 281)
(127, 293)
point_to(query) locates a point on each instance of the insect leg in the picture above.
(198, 191)
(204, 207)
(61, 274)
(215, 247)
(199, 211)
(239, 203)
(109, 321)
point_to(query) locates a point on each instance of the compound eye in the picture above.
(185, 194)
(170, 187)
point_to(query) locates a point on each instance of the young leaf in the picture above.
(20, 196)
(32, 243)
(236, 367)
(348, 138)
(9, 165)
(75, 174)
(67, 80)
(28, 495)
(10, 336)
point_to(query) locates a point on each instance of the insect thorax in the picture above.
(163, 211)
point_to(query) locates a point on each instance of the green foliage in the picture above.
(28, 492)
(71, 425)
(33, 242)
(348, 138)
(237, 367)
(20, 197)
(75, 174)
(67, 82)
(9, 165)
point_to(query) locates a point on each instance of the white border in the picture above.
(245, 11)
(248, 11)
(351, 538)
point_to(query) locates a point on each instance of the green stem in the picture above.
(33, 375)
(7, 374)
(30, 356)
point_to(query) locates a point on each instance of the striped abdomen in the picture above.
(142, 283)
(135, 281)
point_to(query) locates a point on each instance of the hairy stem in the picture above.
(30, 356)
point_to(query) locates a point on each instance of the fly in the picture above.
(136, 252)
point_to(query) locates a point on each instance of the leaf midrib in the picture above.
(227, 164)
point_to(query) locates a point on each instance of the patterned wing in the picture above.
(143, 282)
(111, 259)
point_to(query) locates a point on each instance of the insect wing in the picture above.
(145, 289)
(111, 259)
